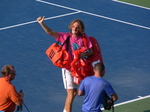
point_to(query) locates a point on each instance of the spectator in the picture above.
(9, 97)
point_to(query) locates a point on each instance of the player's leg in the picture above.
(71, 89)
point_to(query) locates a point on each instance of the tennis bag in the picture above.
(58, 55)
(81, 68)
(97, 55)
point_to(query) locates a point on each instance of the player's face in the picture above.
(75, 29)
(12, 74)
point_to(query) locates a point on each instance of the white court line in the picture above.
(17, 25)
(36, 21)
(78, 11)
(58, 5)
(131, 4)
(96, 15)
(140, 98)
(130, 101)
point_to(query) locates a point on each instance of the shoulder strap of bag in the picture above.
(65, 42)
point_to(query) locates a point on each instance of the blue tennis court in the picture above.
(122, 30)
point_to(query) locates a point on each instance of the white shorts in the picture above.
(68, 80)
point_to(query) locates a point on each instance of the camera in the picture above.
(108, 103)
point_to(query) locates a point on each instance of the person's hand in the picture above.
(21, 95)
(40, 19)
(82, 55)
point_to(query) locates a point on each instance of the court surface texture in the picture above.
(121, 28)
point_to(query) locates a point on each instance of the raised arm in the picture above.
(48, 30)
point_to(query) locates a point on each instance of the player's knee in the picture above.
(72, 93)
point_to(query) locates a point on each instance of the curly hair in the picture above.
(81, 26)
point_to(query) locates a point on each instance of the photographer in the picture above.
(9, 97)
(94, 88)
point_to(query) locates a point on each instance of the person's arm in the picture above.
(80, 93)
(82, 55)
(21, 99)
(114, 97)
(48, 30)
